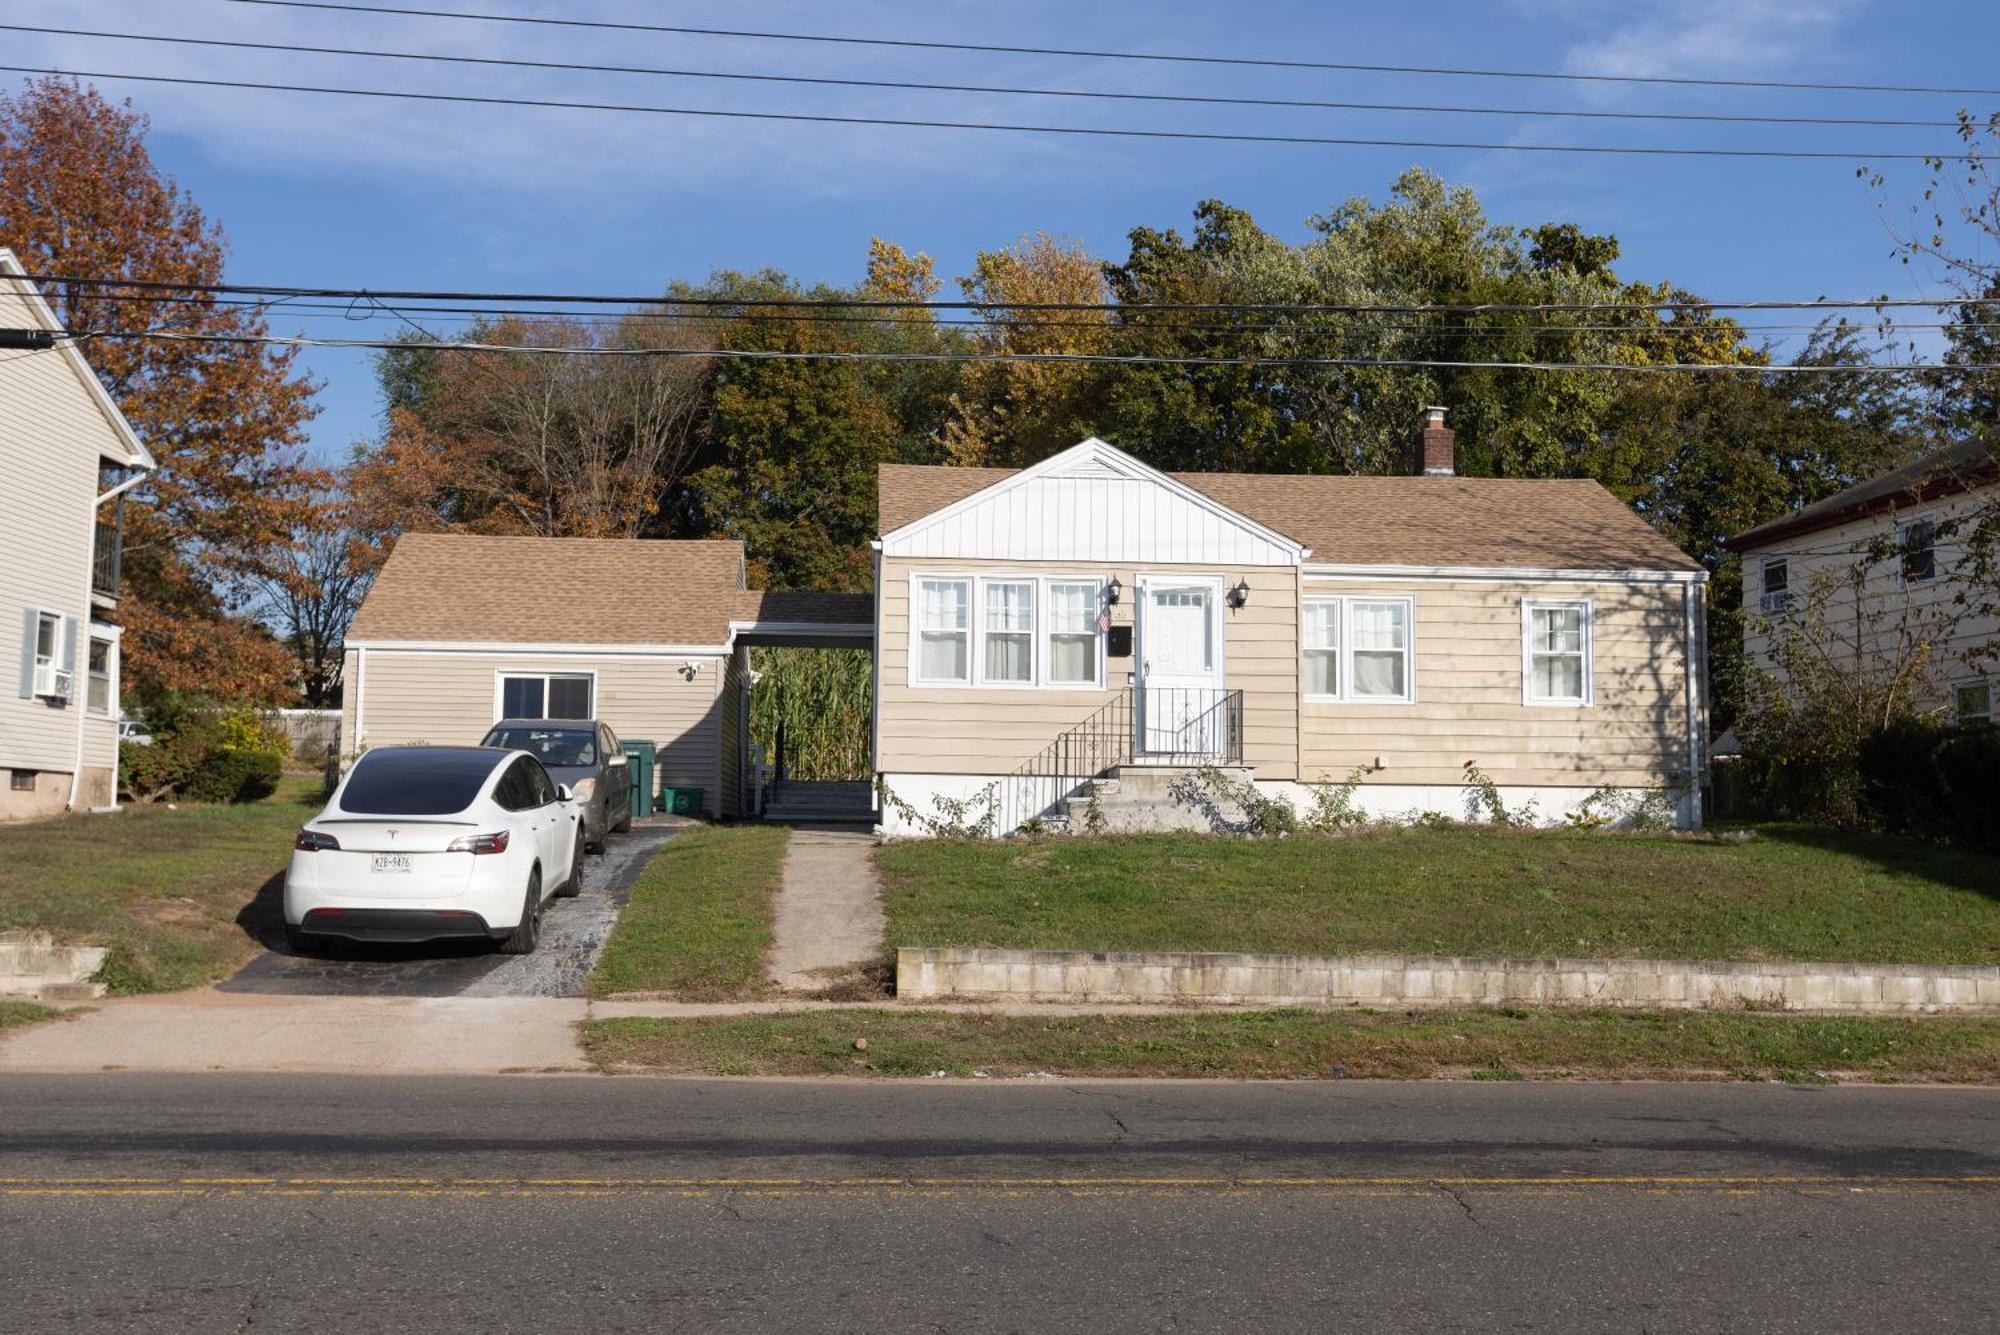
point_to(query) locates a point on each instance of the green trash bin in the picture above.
(681, 801)
(640, 758)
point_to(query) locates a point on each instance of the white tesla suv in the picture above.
(429, 843)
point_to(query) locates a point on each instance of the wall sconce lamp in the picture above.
(1113, 592)
(1240, 594)
(690, 669)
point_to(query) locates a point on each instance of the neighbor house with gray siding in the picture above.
(67, 456)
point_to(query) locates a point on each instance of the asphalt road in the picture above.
(573, 934)
(589, 1204)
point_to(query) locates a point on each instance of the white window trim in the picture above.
(500, 676)
(55, 661)
(1344, 642)
(975, 678)
(1903, 580)
(976, 644)
(1960, 685)
(1529, 606)
(112, 660)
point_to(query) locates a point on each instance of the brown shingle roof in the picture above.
(1561, 524)
(808, 606)
(1955, 468)
(460, 588)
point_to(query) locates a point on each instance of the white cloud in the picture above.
(1714, 39)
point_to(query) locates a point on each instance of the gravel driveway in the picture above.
(573, 934)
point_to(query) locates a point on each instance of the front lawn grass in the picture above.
(1787, 892)
(1308, 1044)
(699, 919)
(13, 1014)
(177, 895)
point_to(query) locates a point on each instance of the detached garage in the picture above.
(649, 636)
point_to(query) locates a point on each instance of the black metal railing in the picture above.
(1148, 725)
(107, 559)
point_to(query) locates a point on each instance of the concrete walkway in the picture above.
(828, 920)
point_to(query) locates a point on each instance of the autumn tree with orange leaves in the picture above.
(80, 197)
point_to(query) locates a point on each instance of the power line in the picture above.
(1083, 358)
(992, 89)
(1085, 131)
(1177, 58)
(751, 302)
(663, 311)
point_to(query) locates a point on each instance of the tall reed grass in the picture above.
(823, 697)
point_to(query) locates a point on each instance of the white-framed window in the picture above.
(1007, 653)
(1006, 630)
(101, 698)
(1378, 660)
(48, 654)
(1360, 650)
(1776, 593)
(533, 695)
(1916, 542)
(1972, 701)
(1555, 651)
(1072, 652)
(1322, 648)
(944, 630)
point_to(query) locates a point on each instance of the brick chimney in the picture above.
(1434, 448)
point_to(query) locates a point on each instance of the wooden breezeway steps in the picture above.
(806, 802)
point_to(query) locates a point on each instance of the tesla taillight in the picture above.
(312, 841)
(479, 843)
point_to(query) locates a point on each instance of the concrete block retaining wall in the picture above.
(34, 967)
(1399, 980)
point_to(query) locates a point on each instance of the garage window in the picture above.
(545, 695)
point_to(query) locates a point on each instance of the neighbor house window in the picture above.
(545, 695)
(47, 653)
(1558, 653)
(1322, 647)
(102, 695)
(1009, 656)
(1918, 541)
(21, 780)
(1776, 595)
(1972, 702)
(944, 630)
(1378, 665)
(1073, 633)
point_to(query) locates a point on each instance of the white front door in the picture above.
(1180, 668)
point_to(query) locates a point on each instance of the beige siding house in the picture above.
(1091, 617)
(1884, 573)
(651, 638)
(66, 458)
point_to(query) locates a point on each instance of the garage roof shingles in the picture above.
(458, 588)
(1527, 523)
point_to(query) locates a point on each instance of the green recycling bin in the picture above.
(681, 801)
(639, 762)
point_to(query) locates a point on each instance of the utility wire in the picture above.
(1083, 358)
(992, 89)
(1090, 131)
(1159, 56)
(392, 295)
(662, 310)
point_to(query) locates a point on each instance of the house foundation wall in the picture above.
(918, 803)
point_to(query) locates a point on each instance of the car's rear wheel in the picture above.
(574, 885)
(299, 942)
(522, 940)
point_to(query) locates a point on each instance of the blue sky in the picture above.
(353, 192)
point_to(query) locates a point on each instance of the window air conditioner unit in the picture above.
(52, 682)
(1781, 601)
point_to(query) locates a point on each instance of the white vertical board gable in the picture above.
(1093, 503)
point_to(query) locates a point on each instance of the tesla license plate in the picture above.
(389, 862)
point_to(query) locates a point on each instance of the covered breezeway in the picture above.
(807, 758)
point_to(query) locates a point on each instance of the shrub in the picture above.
(204, 753)
(1925, 778)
